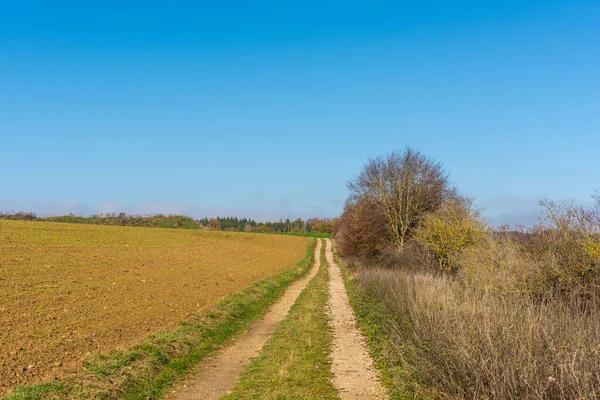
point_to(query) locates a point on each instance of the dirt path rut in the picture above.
(354, 374)
(214, 377)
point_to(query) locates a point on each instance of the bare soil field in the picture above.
(68, 290)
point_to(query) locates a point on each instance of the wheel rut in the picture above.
(352, 366)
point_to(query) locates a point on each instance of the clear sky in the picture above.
(266, 108)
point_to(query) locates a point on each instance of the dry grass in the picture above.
(67, 290)
(469, 343)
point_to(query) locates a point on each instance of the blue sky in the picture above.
(265, 109)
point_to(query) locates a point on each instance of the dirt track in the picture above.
(354, 374)
(214, 377)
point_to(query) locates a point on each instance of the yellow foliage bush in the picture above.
(591, 248)
(452, 228)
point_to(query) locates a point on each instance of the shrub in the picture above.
(360, 231)
(568, 243)
(214, 224)
(452, 228)
(20, 216)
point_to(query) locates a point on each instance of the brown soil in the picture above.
(215, 377)
(352, 366)
(67, 290)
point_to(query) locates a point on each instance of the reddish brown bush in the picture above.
(360, 231)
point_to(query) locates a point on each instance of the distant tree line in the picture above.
(312, 226)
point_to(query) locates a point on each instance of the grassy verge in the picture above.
(146, 370)
(461, 342)
(436, 337)
(295, 363)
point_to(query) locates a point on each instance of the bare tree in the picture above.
(403, 187)
(596, 209)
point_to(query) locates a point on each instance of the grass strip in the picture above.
(146, 370)
(295, 363)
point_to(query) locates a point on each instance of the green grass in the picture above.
(42, 391)
(146, 370)
(295, 363)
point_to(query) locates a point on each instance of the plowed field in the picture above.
(67, 290)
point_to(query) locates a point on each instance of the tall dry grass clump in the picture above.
(469, 344)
